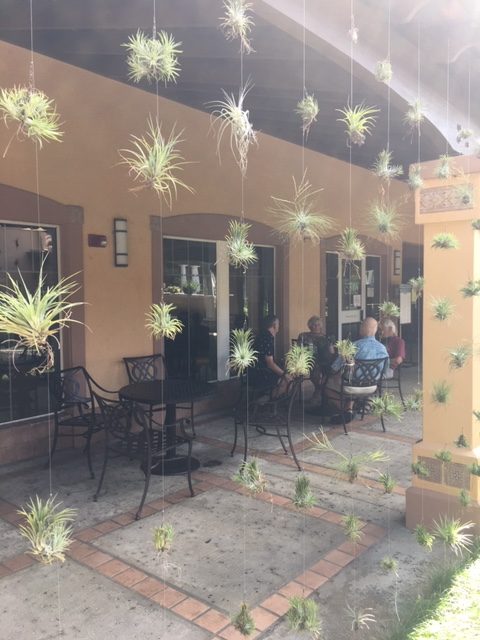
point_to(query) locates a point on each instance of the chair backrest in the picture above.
(144, 368)
(70, 387)
(365, 373)
(116, 416)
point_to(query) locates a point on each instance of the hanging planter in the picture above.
(386, 406)
(476, 224)
(384, 220)
(458, 357)
(303, 498)
(414, 402)
(444, 169)
(383, 168)
(444, 456)
(417, 285)
(471, 289)
(420, 469)
(424, 537)
(389, 565)
(441, 392)
(163, 537)
(242, 353)
(442, 308)
(251, 477)
(237, 24)
(299, 361)
(452, 533)
(162, 323)
(415, 180)
(153, 59)
(241, 252)
(464, 193)
(387, 481)
(307, 109)
(445, 241)
(464, 498)
(361, 618)
(350, 247)
(461, 442)
(303, 615)
(346, 350)
(463, 135)
(359, 120)
(414, 116)
(383, 71)
(388, 310)
(352, 527)
(243, 621)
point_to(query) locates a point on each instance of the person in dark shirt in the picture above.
(394, 344)
(323, 353)
(267, 374)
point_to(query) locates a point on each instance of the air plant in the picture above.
(303, 498)
(299, 360)
(459, 356)
(307, 109)
(464, 193)
(230, 115)
(415, 180)
(361, 618)
(32, 112)
(352, 527)
(415, 401)
(242, 353)
(474, 469)
(163, 537)
(464, 498)
(386, 406)
(444, 169)
(299, 219)
(250, 476)
(389, 564)
(414, 116)
(353, 32)
(241, 252)
(350, 246)
(417, 285)
(237, 23)
(359, 120)
(441, 392)
(445, 241)
(383, 169)
(461, 442)
(153, 58)
(303, 616)
(424, 537)
(464, 135)
(243, 621)
(476, 224)
(161, 322)
(420, 469)
(386, 479)
(477, 415)
(452, 533)
(471, 289)
(36, 317)
(389, 309)
(346, 349)
(442, 308)
(384, 219)
(383, 71)
(444, 456)
(155, 160)
(47, 529)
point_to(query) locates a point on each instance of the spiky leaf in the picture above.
(242, 353)
(445, 241)
(307, 109)
(243, 621)
(441, 392)
(237, 24)
(359, 121)
(424, 537)
(161, 322)
(303, 498)
(452, 533)
(153, 58)
(299, 360)
(163, 537)
(303, 616)
(241, 252)
(250, 476)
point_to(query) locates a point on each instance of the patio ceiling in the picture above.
(89, 34)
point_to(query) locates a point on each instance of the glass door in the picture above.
(351, 297)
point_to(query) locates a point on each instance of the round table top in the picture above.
(169, 391)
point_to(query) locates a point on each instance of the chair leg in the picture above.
(192, 421)
(89, 455)
(292, 448)
(285, 450)
(401, 394)
(383, 423)
(189, 468)
(235, 437)
(148, 473)
(102, 476)
(54, 444)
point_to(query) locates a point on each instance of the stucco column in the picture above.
(303, 285)
(452, 426)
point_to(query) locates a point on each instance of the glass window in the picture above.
(22, 249)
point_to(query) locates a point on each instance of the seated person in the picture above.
(394, 344)
(266, 374)
(323, 353)
(368, 348)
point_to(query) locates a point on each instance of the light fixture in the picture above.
(120, 237)
(397, 262)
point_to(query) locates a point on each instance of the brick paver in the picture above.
(190, 608)
(212, 621)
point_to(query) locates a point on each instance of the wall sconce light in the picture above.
(397, 262)
(121, 246)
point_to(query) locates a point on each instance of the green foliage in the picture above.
(442, 308)
(250, 476)
(474, 469)
(303, 616)
(307, 109)
(414, 402)
(389, 310)
(237, 23)
(383, 71)
(190, 287)
(461, 442)
(414, 115)
(464, 498)
(444, 241)
(350, 246)
(389, 564)
(415, 180)
(452, 533)
(420, 469)
(384, 219)
(443, 456)
(386, 479)
(346, 349)
(352, 527)
(32, 112)
(476, 414)
(386, 406)
(243, 621)
(155, 160)
(161, 322)
(299, 360)
(163, 537)
(47, 529)
(359, 121)
(465, 193)
(242, 353)
(444, 169)
(383, 168)
(476, 224)
(459, 356)
(441, 392)
(471, 289)
(241, 252)
(303, 498)
(361, 618)
(424, 537)
(299, 219)
(153, 59)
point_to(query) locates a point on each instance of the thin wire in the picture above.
(448, 96)
(350, 102)
(388, 85)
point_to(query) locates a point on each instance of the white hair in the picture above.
(390, 324)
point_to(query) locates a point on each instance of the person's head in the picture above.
(388, 328)
(271, 323)
(368, 327)
(315, 324)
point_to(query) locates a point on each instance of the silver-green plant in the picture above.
(383, 71)
(361, 618)
(415, 180)
(445, 241)
(303, 497)
(352, 527)
(444, 169)
(477, 415)
(229, 115)
(346, 349)
(359, 120)
(386, 406)
(350, 247)
(384, 220)
(442, 308)
(154, 161)
(243, 621)
(299, 360)
(452, 533)
(307, 109)
(471, 289)
(303, 615)
(387, 481)
(250, 476)
(464, 498)
(420, 469)
(476, 224)
(47, 529)
(424, 537)
(444, 456)
(414, 116)
(459, 356)
(417, 284)
(241, 252)
(242, 353)
(441, 392)
(389, 309)
(474, 469)
(237, 24)
(461, 442)
(389, 564)
(163, 537)
(299, 219)
(464, 134)
(161, 322)
(465, 193)
(32, 112)
(154, 59)
(383, 168)
(414, 402)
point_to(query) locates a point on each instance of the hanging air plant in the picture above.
(459, 356)
(298, 218)
(424, 537)
(452, 533)
(387, 481)
(237, 23)
(415, 180)
(383, 168)
(350, 247)
(383, 71)
(389, 564)
(154, 162)
(445, 241)
(476, 224)
(162, 323)
(303, 616)
(308, 111)
(441, 392)
(461, 442)
(241, 252)
(386, 406)
(464, 135)
(361, 618)
(384, 220)
(153, 59)
(359, 120)
(389, 310)
(464, 193)
(353, 32)
(415, 401)
(477, 415)
(417, 285)
(420, 469)
(47, 529)
(352, 527)
(299, 361)
(163, 537)
(442, 308)
(34, 318)
(474, 469)
(414, 116)
(243, 621)
(444, 456)
(303, 498)
(242, 353)
(251, 477)
(444, 169)
(346, 350)
(464, 498)
(32, 112)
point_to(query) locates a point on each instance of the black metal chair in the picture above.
(72, 394)
(395, 383)
(153, 367)
(130, 432)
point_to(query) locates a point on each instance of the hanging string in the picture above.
(350, 102)
(419, 228)
(448, 97)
